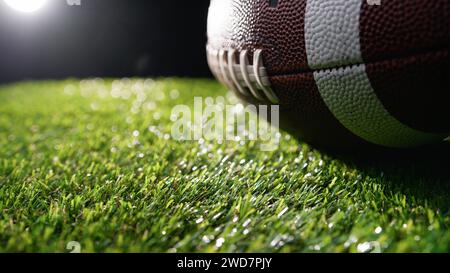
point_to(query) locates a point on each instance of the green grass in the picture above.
(77, 164)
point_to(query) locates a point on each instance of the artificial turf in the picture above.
(92, 161)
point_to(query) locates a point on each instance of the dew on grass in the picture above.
(207, 239)
(149, 83)
(159, 95)
(172, 250)
(378, 230)
(129, 120)
(220, 242)
(174, 94)
(135, 109)
(277, 242)
(150, 105)
(115, 91)
(246, 223)
(95, 106)
(215, 217)
(157, 116)
(233, 232)
(126, 94)
(364, 247)
(70, 89)
(351, 240)
(282, 212)
(134, 144)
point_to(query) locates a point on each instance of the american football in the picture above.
(346, 73)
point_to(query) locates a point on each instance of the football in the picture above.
(347, 74)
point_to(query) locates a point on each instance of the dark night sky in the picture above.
(104, 38)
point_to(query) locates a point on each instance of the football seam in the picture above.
(403, 57)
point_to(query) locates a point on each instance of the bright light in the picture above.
(26, 5)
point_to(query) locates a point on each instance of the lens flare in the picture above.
(26, 5)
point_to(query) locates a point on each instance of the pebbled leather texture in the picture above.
(399, 28)
(399, 53)
(253, 24)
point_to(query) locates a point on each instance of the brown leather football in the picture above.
(346, 73)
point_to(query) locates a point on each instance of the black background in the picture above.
(280, 262)
(104, 38)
